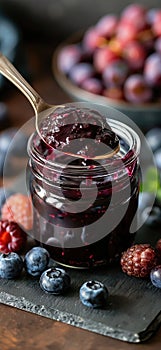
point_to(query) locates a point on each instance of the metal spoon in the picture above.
(41, 108)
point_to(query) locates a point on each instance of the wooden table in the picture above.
(19, 329)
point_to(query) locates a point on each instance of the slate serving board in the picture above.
(133, 313)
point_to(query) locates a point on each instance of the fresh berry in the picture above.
(134, 13)
(93, 85)
(107, 25)
(152, 216)
(134, 53)
(137, 90)
(18, 208)
(92, 40)
(139, 260)
(150, 15)
(68, 57)
(155, 276)
(102, 57)
(152, 70)
(157, 23)
(134, 37)
(36, 261)
(12, 237)
(115, 73)
(93, 294)
(80, 72)
(55, 281)
(11, 265)
(126, 32)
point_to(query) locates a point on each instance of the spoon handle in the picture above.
(10, 72)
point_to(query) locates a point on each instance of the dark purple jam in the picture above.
(83, 208)
(88, 130)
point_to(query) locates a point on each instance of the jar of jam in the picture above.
(84, 203)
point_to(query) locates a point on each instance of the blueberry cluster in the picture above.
(56, 281)
(52, 280)
(35, 262)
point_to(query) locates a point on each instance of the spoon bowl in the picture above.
(41, 108)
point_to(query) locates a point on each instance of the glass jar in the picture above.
(83, 212)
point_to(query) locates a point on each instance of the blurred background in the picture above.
(60, 18)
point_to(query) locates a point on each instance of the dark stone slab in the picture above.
(132, 314)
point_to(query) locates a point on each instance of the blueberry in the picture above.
(93, 294)
(153, 137)
(36, 261)
(55, 281)
(155, 276)
(11, 265)
(152, 216)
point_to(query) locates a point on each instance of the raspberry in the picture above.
(18, 208)
(12, 237)
(139, 260)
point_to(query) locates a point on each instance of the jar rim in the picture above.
(123, 130)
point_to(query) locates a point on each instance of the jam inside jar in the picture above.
(84, 207)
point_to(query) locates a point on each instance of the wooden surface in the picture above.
(19, 329)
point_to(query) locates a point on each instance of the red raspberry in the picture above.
(12, 237)
(139, 260)
(18, 208)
